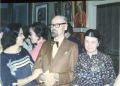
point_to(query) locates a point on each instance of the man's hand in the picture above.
(42, 78)
(50, 78)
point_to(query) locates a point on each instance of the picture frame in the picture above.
(41, 13)
(79, 14)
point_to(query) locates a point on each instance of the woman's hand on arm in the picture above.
(30, 78)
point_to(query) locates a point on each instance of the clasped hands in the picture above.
(49, 78)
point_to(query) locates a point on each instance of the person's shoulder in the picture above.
(46, 43)
(68, 41)
(104, 56)
(2, 54)
(71, 42)
(24, 52)
(45, 48)
(74, 39)
(82, 54)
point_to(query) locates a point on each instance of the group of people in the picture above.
(37, 61)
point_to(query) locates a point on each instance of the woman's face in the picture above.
(91, 44)
(34, 38)
(20, 38)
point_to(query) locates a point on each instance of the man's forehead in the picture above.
(58, 20)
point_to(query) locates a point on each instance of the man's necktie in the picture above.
(57, 43)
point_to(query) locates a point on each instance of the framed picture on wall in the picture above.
(79, 14)
(41, 13)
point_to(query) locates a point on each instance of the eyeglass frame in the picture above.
(57, 25)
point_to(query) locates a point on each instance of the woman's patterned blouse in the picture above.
(95, 71)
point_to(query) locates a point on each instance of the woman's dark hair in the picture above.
(40, 29)
(26, 31)
(10, 33)
(93, 33)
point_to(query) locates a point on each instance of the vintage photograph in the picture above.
(60, 43)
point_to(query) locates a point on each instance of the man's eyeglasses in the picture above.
(57, 25)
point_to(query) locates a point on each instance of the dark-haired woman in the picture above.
(93, 67)
(38, 35)
(15, 62)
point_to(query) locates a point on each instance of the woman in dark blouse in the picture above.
(93, 67)
(15, 62)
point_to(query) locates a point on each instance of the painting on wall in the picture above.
(41, 13)
(79, 14)
(67, 10)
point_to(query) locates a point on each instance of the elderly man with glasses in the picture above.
(57, 61)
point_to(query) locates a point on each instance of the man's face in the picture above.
(58, 27)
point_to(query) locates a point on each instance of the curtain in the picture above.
(108, 24)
